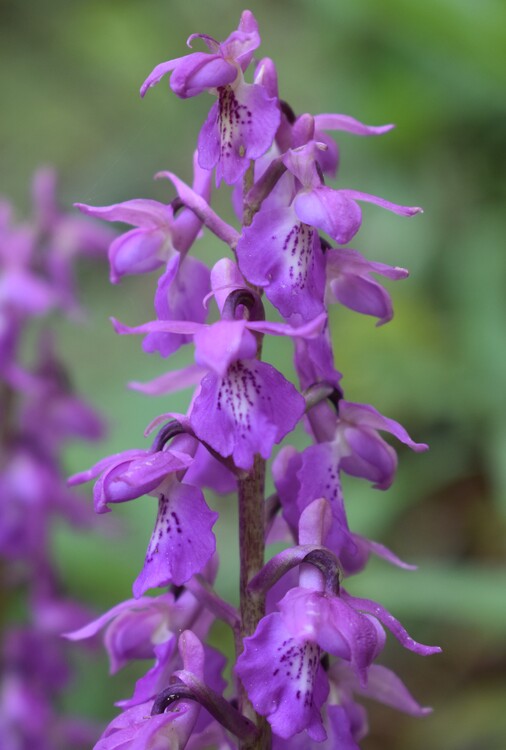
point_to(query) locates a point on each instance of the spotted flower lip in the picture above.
(240, 127)
(351, 443)
(289, 643)
(283, 255)
(297, 688)
(246, 411)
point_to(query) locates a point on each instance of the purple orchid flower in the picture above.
(281, 251)
(234, 411)
(158, 234)
(182, 541)
(355, 448)
(242, 123)
(147, 628)
(137, 729)
(292, 473)
(289, 643)
(335, 212)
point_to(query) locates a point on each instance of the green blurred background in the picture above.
(69, 78)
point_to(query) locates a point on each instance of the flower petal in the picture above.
(139, 251)
(283, 255)
(367, 416)
(349, 125)
(246, 412)
(179, 296)
(182, 541)
(171, 381)
(159, 72)
(284, 679)
(394, 207)
(200, 72)
(239, 128)
(139, 212)
(222, 343)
